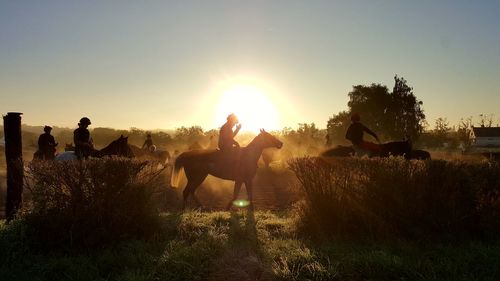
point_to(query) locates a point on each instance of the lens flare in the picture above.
(241, 203)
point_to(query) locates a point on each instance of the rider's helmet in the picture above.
(355, 117)
(232, 118)
(47, 129)
(85, 121)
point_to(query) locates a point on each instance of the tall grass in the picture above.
(88, 203)
(395, 198)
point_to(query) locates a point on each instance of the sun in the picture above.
(253, 107)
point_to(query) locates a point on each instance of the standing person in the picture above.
(226, 134)
(148, 143)
(355, 135)
(47, 144)
(83, 142)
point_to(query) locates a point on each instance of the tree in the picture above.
(442, 128)
(486, 120)
(464, 131)
(337, 126)
(372, 103)
(308, 131)
(394, 115)
(191, 134)
(407, 111)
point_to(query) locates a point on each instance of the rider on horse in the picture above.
(355, 135)
(83, 142)
(148, 143)
(47, 144)
(226, 134)
(227, 145)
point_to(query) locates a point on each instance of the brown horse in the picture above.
(240, 168)
(395, 148)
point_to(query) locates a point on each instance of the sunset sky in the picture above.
(164, 64)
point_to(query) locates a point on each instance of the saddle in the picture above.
(226, 162)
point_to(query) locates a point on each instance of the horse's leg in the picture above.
(195, 178)
(249, 187)
(236, 192)
(185, 193)
(194, 195)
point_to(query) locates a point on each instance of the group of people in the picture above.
(226, 144)
(81, 137)
(84, 144)
(354, 134)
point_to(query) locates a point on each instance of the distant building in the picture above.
(486, 136)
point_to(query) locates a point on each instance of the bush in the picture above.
(89, 203)
(395, 198)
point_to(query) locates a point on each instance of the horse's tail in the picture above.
(176, 175)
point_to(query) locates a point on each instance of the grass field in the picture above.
(243, 245)
(302, 228)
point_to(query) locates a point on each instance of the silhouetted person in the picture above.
(148, 143)
(47, 144)
(82, 140)
(226, 134)
(355, 135)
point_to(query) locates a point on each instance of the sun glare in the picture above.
(254, 109)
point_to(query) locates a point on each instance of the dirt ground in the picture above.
(274, 188)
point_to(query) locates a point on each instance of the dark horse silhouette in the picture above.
(395, 148)
(118, 147)
(339, 151)
(198, 164)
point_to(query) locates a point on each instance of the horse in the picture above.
(163, 156)
(40, 155)
(395, 148)
(419, 154)
(241, 168)
(118, 147)
(339, 151)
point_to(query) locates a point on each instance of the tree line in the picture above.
(393, 114)
(399, 114)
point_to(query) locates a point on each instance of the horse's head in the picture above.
(118, 147)
(266, 140)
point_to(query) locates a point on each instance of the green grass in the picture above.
(243, 245)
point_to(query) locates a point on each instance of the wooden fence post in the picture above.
(15, 166)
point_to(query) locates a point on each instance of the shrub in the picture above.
(396, 198)
(89, 203)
